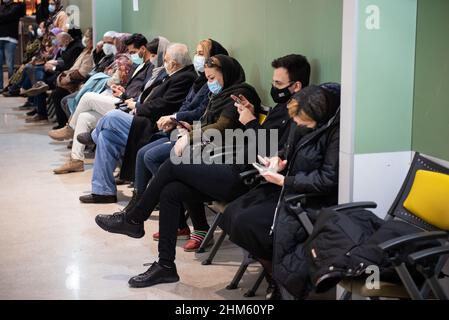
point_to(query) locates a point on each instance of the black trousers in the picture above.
(57, 95)
(191, 185)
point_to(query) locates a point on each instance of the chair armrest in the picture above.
(301, 197)
(425, 255)
(250, 178)
(248, 174)
(398, 250)
(355, 205)
(406, 240)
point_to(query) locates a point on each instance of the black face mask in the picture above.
(281, 95)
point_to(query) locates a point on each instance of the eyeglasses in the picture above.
(277, 84)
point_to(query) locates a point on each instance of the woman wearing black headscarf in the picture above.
(175, 184)
(193, 107)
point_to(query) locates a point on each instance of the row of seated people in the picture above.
(148, 127)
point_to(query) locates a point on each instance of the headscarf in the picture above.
(215, 49)
(56, 31)
(120, 43)
(232, 71)
(162, 48)
(234, 84)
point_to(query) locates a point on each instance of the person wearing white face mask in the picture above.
(162, 98)
(93, 106)
(106, 47)
(10, 14)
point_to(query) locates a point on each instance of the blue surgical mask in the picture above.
(51, 8)
(198, 63)
(215, 87)
(136, 59)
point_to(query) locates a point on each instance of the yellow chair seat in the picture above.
(429, 198)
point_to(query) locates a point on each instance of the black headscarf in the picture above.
(232, 71)
(216, 48)
(234, 84)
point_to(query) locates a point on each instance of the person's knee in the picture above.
(172, 192)
(149, 158)
(84, 121)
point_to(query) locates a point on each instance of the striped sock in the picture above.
(198, 236)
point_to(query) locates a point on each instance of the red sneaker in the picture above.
(183, 234)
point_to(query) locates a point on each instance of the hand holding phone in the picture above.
(236, 99)
(264, 160)
(262, 169)
(180, 124)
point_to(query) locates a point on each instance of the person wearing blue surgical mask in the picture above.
(52, 7)
(138, 50)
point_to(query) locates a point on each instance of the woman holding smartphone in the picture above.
(225, 77)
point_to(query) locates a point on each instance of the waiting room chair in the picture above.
(423, 202)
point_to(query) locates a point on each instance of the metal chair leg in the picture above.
(252, 292)
(346, 296)
(437, 289)
(239, 275)
(210, 234)
(215, 249)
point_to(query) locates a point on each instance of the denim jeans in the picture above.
(149, 159)
(7, 54)
(111, 137)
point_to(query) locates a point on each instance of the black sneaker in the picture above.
(26, 106)
(117, 223)
(98, 199)
(32, 113)
(157, 274)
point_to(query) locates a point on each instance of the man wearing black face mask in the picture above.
(291, 74)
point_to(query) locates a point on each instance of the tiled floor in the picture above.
(50, 246)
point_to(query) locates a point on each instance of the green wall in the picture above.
(431, 115)
(385, 78)
(107, 16)
(254, 31)
(85, 11)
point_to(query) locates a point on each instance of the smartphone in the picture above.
(263, 160)
(236, 99)
(260, 168)
(179, 123)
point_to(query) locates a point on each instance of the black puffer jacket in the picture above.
(314, 164)
(344, 244)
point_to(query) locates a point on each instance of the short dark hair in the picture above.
(298, 68)
(153, 46)
(137, 40)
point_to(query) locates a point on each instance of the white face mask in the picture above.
(166, 65)
(198, 62)
(40, 34)
(109, 49)
(84, 41)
